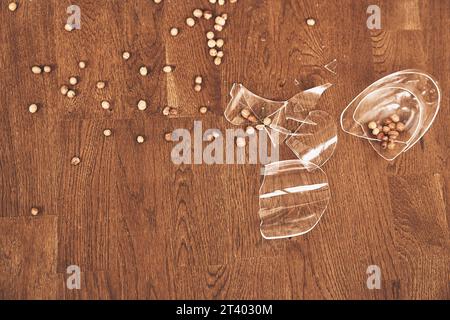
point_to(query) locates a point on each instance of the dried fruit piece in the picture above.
(311, 22)
(75, 161)
(126, 55)
(33, 108)
(12, 6)
(142, 105)
(174, 32)
(36, 70)
(34, 211)
(140, 139)
(372, 125)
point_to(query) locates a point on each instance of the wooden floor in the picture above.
(140, 227)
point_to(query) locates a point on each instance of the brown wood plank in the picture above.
(421, 235)
(28, 251)
(230, 281)
(141, 227)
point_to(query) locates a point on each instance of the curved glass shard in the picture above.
(297, 109)
(315, 143)
(248, 108)
(294, 193)
(292, 198)
(409, 98)
(309, 133)
(285, 117)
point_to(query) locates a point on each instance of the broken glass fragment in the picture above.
(293, 197)
(294, 193)
(247, 108)
(411, 97)
(316, 142)
(332, 66)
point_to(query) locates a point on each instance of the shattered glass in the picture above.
(411, 95)
(244, 99)
(310, 134)
(296, 110)
(332, 66)
(293, 197)
(294, 193)
(314, 143)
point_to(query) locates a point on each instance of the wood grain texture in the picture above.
(141, 227)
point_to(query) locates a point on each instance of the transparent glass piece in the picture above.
(322, 70)
(285, 117)
(412, 96)
(332, 66)
(293, 196)
(296, 110)
(310, 134)
(315, 143)
(256, 107)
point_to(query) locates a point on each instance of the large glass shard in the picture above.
(296, 110)
(309, 133)
(293, 197)
(294, 193)
(411, 97)
(248, 108)
(285, 117)
(316, 142)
